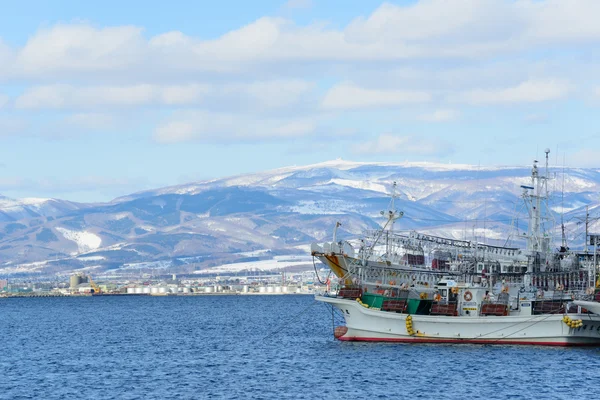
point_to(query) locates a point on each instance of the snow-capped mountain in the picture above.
(205, 224)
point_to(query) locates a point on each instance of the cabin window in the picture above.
(443, 292)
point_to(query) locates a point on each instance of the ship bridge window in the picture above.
(444, 293)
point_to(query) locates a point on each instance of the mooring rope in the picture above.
(284, 325)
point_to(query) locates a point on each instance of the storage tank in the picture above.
(209, 289)
(245, 289)
(163, 289)
(277, 289)
(130, 290)
(284, 289)
(262, 289)
(138, 290)
(74, 281)
(154, 289)
(146, 289)
(270, 289)
(185, 290)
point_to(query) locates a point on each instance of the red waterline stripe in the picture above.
(466, 341)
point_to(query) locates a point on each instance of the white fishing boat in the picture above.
(465, 291)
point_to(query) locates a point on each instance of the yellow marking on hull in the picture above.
(333, 263)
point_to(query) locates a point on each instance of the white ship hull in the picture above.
(365, 324)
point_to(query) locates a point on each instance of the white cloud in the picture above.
(473, 29)
(205, 126)
(68, 96)
(80, 47)
(265, 94)
(442, 115)
(527, 92)
(395, 144)
(348, 96)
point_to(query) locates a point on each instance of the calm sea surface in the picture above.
(240, 347)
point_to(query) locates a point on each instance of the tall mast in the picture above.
(392, 215)
(534, 196)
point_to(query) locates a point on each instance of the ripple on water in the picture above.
(243, 347)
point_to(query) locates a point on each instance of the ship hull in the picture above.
(365, 324)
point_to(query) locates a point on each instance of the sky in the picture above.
(103, 99)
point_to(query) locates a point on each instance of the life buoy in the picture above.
(468, 296)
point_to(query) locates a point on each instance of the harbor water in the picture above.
(239, 347)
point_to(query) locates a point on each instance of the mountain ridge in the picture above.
(212, 222)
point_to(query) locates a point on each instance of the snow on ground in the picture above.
(255, 253)
(364, 185)
(150, 264)
(264, 265)
(23, 268)
(31, 201)
(214, 226)
(85, 240)
(304, 248)
(316, 207)
(91, 258)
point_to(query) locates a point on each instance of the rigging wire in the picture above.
(317, 274)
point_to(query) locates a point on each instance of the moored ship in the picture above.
(464, 291)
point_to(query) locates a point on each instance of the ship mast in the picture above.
(392, 215)
(536, 196)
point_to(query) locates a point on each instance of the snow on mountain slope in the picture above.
(215, 222)
(86, 241)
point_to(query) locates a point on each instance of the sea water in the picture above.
(239, 347)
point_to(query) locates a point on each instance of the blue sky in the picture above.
(99, 100)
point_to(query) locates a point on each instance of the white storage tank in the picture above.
(154, 290)
(163, 289)
(185, 290)
(270, 289)
(245, 289)
(262, 289)
(277, 289)
(209, 289)
(138, 290)
(284, 289)
(130, 290)
(146, 289)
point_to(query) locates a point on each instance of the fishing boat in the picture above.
(464, 291)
